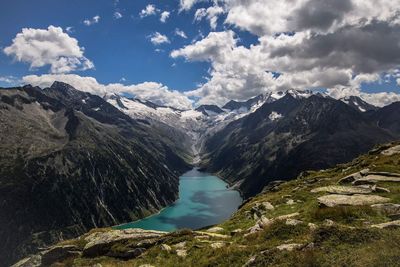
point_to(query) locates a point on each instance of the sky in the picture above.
(184, 53)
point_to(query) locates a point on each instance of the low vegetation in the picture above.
(283, 226)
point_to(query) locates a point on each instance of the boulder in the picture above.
(392, 224)
(353, 200)
(293, 222)
(378, 177)
(99, 243)
(180, 245)
(215, 229)
(350, 178)
(181, 253)
(344, 190)
(290, 202)
(217, 245)
(391, 151)
(312, 226)
(236, 231)
(290, 247)
(165, 247)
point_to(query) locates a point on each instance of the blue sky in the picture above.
(233, 63)
(118, 48)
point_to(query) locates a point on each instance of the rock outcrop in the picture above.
(353, 200)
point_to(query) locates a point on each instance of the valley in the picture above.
(104, 161)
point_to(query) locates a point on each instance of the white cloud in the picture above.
(148, 11)
(69, 29)
(94, 20)
(152, 91)
(210, 13)
(311, 44)
(180, 33)
(51, 46)
(187, 4)
(117, 15)
(11, 80)
(164, 16)
(158, 38)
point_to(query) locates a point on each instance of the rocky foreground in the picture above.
(345, 216)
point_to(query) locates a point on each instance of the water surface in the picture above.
(203, 200)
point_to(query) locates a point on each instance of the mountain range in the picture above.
(71, 161)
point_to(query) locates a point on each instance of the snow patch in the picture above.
(274, 116)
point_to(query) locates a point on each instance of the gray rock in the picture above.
(165, 247)
(181, 253)
(353, 200)
(293, 222)
(392, 224)
(391, 151)
(290, 247)
(180, 245)
(99, 243)
(215, 229)
(236, 231)
(217, 245)
(378, 177)
(350, 178)
(344, 190)
(312, 226)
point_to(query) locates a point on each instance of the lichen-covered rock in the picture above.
(217, 245)
(344, 190)
(391, 151)
(32, 261)
(290, 247)
(165, 247)
(378, 177)
(181, 253)
(391, 224)
(99, 243)
(215, 229)
(293, 222)
(350, 178)
(352, 200)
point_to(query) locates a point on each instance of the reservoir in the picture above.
(204, 200)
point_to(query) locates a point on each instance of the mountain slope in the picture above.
(70, 162)
(285, 137)
(285, 225)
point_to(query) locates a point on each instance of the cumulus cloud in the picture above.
(302, 44)
(211, 14)
(149, 10)
(94, 20)
(11, 80)
(158, 38)
(180, 33)
(152, 91)
(164, 16)
(187, 4)
(51, 46)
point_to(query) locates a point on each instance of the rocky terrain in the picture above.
(314, 220)
(292, 134)
(70, 162)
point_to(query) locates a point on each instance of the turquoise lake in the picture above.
(203, 200)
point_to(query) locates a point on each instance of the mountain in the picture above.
(288, 136)
(358, 104)
(209, 110)
(287, 224)
(71, 161)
